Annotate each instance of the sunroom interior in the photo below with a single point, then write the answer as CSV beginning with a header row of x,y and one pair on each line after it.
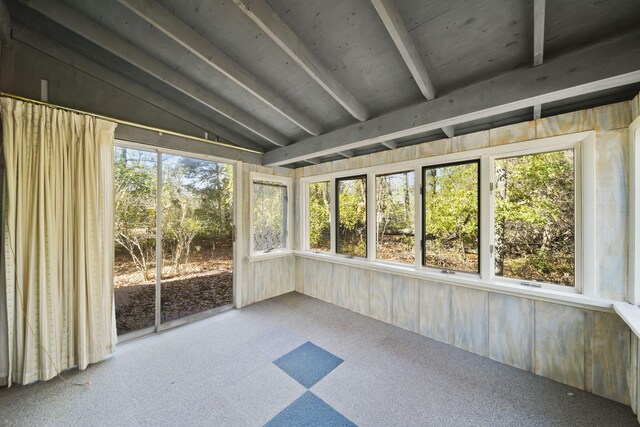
x,y
356,212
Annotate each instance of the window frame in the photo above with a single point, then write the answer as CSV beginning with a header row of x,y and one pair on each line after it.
x,y
578,208
416,197
423,225
583,144
288,184
305,229
633,291
336,190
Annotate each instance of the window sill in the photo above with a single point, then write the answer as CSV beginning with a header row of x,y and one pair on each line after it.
x,y
541,294
630,314
270,255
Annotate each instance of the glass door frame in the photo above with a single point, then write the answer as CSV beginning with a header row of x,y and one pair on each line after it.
x,y
237,170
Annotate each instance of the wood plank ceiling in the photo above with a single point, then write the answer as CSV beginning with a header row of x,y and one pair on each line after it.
x,y
313,81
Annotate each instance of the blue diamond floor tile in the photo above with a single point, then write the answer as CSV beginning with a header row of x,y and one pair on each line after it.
x,y
308,364
309,410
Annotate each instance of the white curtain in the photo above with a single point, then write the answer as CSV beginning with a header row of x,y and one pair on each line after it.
x,y
57,261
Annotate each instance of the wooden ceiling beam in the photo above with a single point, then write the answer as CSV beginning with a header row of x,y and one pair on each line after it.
x,y
601,66
94,32
155,14
269,21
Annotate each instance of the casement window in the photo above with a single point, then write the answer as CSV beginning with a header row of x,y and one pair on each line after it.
x,y
534,217
450,238
517,214
320,216
395,217
351,197
271,214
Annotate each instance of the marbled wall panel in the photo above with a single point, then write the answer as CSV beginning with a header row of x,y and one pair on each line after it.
x,y
310,277
611,355
611,213
262,278
513,133
472,141
380,295
299,274
247,288
404,153
612,116
469,319
381,158
283,274
435,310
563,124
560,343
359,290
635,107
406,303
324,284
341,288
434,148
632,373
511,330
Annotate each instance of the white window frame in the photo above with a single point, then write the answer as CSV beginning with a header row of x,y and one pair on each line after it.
x,y
288,183
583,144
633,287
304,229
416,207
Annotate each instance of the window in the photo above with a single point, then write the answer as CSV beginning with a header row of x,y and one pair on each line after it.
x,y
320,216
270,213
451,216
515,214
534,202
351,195
395,218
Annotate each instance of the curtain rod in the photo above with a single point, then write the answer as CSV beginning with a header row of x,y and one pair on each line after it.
x,y
124,122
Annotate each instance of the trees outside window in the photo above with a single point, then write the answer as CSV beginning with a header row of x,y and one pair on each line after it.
x,y
351,238
534,201
395,209
451,219
320,216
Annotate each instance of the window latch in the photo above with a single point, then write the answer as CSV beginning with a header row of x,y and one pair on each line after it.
x,y
533,285
266,251
349,257
445,271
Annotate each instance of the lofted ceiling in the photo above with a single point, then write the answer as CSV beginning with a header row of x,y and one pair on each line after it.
x,y
304,77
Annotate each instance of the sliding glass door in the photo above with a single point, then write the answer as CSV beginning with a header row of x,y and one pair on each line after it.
x,y
197,248
135,189
173,238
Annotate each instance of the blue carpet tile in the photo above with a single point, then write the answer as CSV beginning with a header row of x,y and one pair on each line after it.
x,y
309,410
308,364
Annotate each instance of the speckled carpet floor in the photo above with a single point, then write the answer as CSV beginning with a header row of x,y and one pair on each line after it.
x,y
221,372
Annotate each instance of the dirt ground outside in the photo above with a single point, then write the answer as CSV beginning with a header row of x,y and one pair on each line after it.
x,y
206,282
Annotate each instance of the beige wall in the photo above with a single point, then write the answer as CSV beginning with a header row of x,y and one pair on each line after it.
x,y
264,278
590,348
585,347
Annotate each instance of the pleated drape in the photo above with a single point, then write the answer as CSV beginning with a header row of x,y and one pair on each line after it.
x,y
58,241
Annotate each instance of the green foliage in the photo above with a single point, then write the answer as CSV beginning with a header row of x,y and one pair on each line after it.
x,y
197,204
395,208
135,206
352,217
534,216
451,216
319,216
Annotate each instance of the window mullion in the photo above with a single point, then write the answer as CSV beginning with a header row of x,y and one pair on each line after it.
x,y
159,182
487,238
333,223
372,224
418,231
